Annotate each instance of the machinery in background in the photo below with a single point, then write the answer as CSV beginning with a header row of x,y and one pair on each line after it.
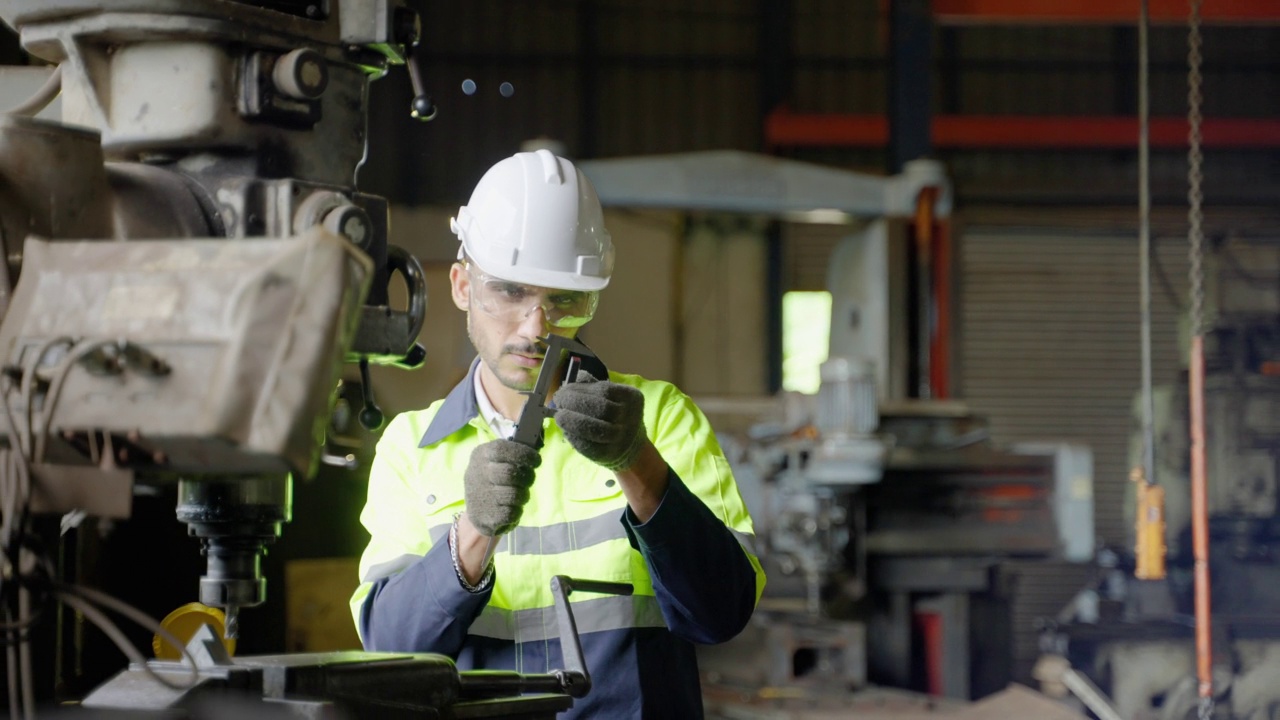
x,y
885,545
883,511
1135,637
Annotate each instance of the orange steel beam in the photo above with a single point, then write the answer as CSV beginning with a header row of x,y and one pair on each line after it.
x,y
783,128
1053,12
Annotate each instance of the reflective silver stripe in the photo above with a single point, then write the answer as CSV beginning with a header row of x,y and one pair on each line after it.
x,y
564,537
439,532
748,542
594,615
389,568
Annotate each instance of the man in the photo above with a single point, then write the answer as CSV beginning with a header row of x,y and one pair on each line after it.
x,y
628,486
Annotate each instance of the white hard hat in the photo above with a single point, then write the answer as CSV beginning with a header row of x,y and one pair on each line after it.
x,y
535,219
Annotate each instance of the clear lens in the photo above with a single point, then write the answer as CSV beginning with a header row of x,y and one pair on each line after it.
x,y
512,302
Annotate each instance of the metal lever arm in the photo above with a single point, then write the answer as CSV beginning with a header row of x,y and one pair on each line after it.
x,y
574,679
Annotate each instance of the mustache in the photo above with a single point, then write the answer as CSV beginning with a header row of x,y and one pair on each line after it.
x,y
526,349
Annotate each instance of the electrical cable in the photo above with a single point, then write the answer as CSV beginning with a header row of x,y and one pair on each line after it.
x,y
78,596
27,389
78,352
15,496
42,97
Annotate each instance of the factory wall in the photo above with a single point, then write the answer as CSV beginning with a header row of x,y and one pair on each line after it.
x,y
1050,347
1048,312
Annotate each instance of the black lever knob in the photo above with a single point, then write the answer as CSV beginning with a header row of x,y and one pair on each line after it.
x,y
423,107
371,416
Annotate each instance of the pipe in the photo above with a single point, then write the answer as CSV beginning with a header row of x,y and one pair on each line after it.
x,y
1089,694
1200,523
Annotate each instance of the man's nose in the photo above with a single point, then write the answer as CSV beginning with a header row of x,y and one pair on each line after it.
x,y
534,323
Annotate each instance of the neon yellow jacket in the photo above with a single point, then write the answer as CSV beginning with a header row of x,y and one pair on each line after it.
x,y
696,578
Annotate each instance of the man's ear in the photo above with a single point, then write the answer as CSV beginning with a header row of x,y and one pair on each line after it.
x,y
460,284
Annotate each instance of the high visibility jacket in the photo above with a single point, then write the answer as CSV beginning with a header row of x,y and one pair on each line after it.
x,y
696,578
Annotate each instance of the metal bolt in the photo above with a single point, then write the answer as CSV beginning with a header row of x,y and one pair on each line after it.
x,y
301,74
351,222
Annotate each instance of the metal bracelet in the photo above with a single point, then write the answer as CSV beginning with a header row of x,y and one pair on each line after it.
x,y
485,580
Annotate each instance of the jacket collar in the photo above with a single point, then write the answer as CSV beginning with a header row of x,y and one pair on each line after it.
x,y
460,405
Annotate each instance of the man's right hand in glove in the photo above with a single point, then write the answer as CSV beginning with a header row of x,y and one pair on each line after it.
x,y
496,487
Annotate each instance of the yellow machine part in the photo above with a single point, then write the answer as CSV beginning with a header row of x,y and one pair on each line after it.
x,y
1150,548
184,622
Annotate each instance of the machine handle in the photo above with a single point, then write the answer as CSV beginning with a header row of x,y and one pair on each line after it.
x,y
574,679
371,416
403,261
423,107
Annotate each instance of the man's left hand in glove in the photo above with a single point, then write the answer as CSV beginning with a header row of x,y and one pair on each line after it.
x,y
602,420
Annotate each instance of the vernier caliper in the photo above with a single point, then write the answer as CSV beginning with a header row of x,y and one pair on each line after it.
x,y
529,426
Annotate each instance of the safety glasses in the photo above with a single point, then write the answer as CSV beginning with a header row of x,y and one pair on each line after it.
x,y
512,302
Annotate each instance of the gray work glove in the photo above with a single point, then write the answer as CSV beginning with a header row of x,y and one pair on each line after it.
x,y
602,420
497,485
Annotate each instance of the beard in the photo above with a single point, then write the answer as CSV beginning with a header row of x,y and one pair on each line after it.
x,y
492,353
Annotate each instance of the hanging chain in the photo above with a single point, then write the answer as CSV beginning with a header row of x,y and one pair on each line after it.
x,y
1195,171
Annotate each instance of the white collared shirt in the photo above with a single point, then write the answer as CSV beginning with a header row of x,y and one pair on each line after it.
x,y
501,426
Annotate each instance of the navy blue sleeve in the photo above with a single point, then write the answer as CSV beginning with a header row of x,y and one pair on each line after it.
x,y
423,608
704,582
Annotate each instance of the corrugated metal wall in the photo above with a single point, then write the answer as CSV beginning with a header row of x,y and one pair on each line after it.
x,y
1050,350
839,49
1050,347
625,77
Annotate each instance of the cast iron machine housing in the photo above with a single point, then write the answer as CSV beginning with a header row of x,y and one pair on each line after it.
x,y
217,144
